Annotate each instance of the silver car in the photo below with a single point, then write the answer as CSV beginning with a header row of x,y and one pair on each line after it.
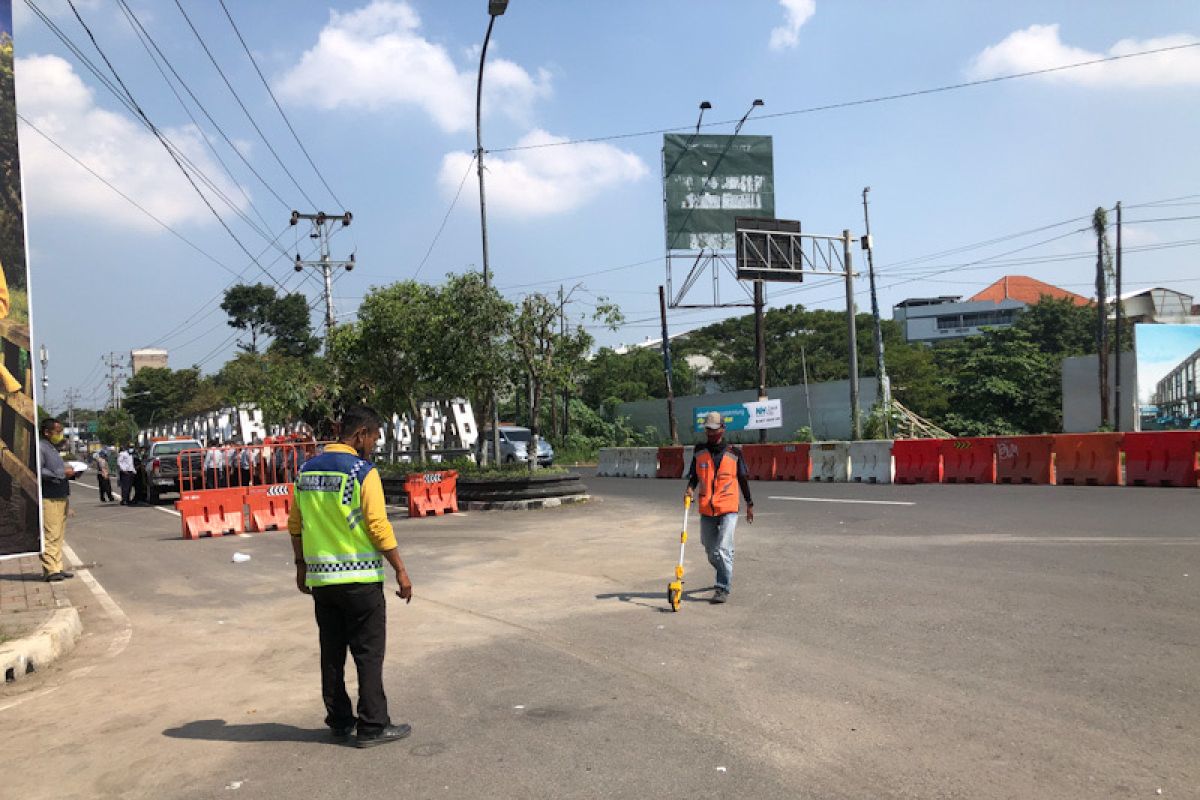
x,y
514,446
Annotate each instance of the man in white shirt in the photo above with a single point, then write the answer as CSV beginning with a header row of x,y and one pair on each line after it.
x,y
126,468
214,466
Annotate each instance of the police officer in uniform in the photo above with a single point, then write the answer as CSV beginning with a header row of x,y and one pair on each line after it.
x,y
718,470
341,537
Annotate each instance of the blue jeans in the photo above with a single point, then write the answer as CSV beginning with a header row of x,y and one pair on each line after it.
x,y
717,535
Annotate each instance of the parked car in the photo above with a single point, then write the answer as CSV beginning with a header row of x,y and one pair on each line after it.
x,y
161,462
514,446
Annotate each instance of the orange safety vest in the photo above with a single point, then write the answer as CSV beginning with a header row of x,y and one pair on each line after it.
x,y
719,484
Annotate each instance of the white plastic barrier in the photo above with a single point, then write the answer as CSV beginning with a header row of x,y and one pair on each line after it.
x,y
871,461
626,461
609,462
645,462
830,461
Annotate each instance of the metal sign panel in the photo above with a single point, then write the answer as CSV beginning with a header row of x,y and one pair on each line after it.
x,y
757,415
769,250
710,180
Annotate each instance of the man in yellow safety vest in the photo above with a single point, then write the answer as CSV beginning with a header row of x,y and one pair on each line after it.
x,y
340,538
718,470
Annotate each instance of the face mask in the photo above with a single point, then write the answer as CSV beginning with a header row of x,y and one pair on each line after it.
x,y
56,438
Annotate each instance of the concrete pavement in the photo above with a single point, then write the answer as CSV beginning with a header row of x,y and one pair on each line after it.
x,y
982,642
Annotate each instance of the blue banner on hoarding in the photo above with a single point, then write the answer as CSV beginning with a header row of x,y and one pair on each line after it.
x,y
753,416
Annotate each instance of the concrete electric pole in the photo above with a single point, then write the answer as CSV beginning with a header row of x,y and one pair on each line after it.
x,y
320,232
884,393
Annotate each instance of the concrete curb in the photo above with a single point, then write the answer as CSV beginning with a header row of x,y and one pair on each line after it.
x,y
35,652
525,505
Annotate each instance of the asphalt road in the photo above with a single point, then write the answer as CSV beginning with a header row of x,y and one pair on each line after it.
x,y
934,642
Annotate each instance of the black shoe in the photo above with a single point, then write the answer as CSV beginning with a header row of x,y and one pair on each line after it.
x,y
720,596
341,734
392,733
66,574
55,577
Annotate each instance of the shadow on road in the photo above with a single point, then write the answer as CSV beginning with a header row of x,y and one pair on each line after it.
x,y
689,596
218,730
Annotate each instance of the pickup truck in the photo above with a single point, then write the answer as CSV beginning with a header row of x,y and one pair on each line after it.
x,y
162,466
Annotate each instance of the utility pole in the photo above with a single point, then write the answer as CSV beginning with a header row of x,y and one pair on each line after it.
x,y
320,232
72,396
760,350
115,365
884,390
666,353
566,393
855,416
1117,333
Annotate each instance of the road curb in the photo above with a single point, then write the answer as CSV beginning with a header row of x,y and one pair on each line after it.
x,y
35,652
524,505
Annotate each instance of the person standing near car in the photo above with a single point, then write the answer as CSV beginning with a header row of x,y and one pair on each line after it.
x,y
56,493
340,539
126,472
104,477
719,470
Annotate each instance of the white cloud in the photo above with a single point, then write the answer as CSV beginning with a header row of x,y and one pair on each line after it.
x,y
1040,47
376,58
546,181
53,98
796,13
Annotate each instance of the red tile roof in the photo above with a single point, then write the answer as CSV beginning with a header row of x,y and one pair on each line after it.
x,y
1027,290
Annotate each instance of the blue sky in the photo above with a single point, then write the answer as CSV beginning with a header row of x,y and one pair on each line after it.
x,y
382,96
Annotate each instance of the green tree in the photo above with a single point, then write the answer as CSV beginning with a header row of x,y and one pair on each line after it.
x,y
12,232
634,375
160,394
289,323
116,426
249,308
286,389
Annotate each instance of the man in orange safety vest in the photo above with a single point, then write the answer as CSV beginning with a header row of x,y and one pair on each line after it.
x,y
718,469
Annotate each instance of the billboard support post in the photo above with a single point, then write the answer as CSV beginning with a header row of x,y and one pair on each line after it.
x,y
1117,332
760,348
855,416
666,351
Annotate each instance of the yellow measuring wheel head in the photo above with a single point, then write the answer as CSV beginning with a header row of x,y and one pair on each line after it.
x,y
675,594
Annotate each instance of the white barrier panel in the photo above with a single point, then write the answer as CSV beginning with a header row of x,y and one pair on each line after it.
x,y
626,459
830,461
645,462
871,461
608,463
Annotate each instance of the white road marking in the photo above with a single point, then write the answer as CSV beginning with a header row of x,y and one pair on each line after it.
x,y
167,511
837,500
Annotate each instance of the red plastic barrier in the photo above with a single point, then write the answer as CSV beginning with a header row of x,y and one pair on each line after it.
x,y
918,460
1088,459
969,460
269,506
432,493
792,462
1025,459
214,512
670,462
760,461
1161,458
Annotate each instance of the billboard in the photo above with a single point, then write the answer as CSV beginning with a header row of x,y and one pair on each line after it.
x,y
758,415
769,250
20,520
1168,360
710,180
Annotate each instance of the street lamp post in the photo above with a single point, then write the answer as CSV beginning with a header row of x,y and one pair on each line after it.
x,y
495,9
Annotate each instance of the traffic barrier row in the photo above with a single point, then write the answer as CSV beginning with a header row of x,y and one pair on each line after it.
x,y
432,493
1158,458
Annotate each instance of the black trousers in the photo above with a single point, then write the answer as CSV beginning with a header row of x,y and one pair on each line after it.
x,y
353,616
105,484
126,486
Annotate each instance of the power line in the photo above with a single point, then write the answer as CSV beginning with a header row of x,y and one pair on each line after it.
x,y
242,105
446,218
287,121
852,103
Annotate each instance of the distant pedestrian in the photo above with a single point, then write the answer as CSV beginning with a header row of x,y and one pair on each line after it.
x,y
126,472
104,477
718,469
245,462
214,466
56,491
340,538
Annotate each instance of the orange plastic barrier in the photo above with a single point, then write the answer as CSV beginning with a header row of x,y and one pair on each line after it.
x,y
760,461
969,460
269,506
918,460
1161,458
214,512
1088,459
432,493
792,462
670,462
1025,459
